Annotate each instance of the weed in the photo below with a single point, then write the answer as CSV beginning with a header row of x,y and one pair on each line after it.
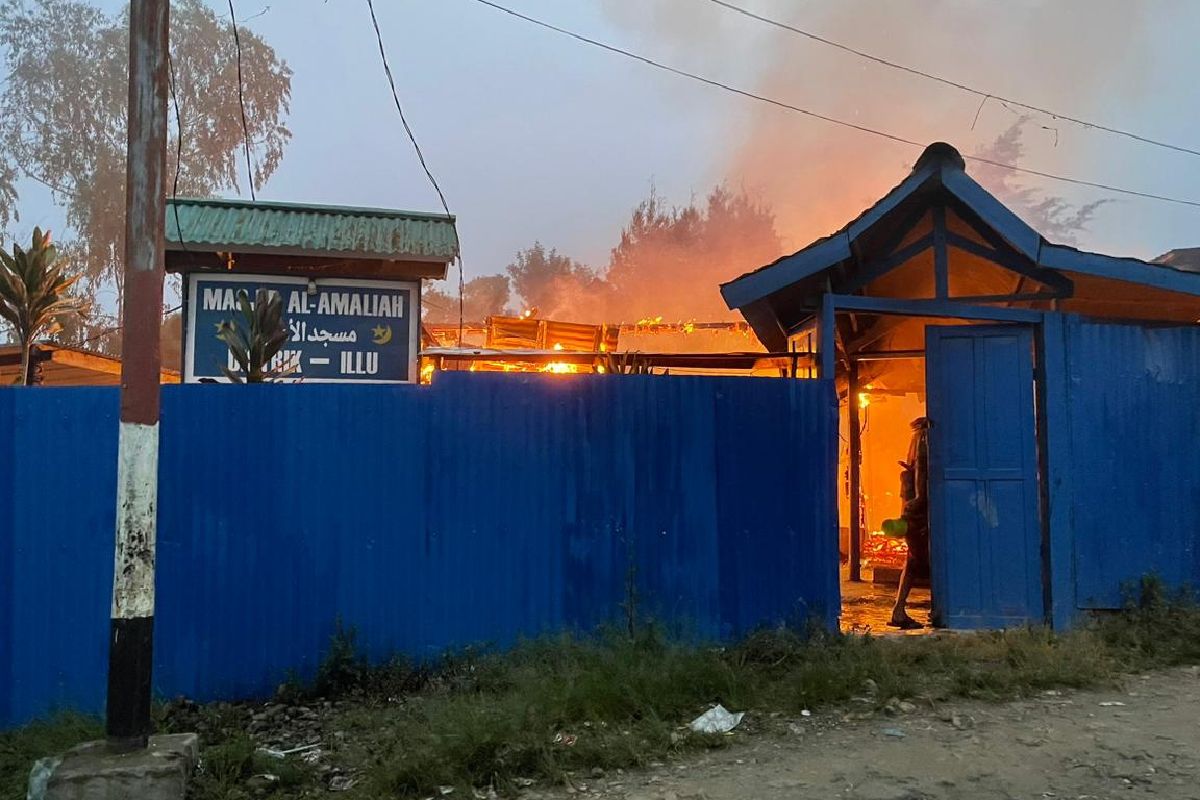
x,y
560,707
20,748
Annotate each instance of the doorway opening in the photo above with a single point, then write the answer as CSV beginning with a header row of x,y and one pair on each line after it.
x,y
965,391
884,399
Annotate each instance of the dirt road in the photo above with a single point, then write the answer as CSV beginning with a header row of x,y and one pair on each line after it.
x,y
1142,740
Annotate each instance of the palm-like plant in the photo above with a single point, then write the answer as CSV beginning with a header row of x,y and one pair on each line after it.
x,y
255,348
33,294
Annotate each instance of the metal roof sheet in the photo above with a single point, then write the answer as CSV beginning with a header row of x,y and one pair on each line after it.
x,y
349,232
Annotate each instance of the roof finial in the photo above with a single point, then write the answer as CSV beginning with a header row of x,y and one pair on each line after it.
x,y
942,154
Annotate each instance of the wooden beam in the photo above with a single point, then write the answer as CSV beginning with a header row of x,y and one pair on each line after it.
x,y
1014,262
941,258
873,270
887,355
929,308
855,554
827,333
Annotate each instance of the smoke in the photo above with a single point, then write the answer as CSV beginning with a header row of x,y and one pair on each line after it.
x,y
1076,55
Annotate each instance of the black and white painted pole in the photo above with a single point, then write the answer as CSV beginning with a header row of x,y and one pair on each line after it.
x,y
131,643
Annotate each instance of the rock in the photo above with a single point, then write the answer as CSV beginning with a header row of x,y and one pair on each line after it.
x,y
962,723
341,783
907,707
870,687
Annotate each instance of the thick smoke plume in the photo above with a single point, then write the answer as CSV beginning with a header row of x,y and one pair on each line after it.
x,y
1077,55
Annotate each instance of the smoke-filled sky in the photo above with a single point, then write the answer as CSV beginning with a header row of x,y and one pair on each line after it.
x,y
537,137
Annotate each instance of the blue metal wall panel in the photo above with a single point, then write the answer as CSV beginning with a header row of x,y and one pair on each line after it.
x,y
1134,416
477,511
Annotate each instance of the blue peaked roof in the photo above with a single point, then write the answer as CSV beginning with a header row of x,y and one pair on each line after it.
x,y
942,166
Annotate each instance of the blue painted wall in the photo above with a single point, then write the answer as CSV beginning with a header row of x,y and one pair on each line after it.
x,y
1133,409
479,510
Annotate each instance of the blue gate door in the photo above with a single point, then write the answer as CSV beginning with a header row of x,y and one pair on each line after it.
x,y
985,526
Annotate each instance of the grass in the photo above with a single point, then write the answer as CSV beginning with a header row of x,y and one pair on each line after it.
x,y
561,707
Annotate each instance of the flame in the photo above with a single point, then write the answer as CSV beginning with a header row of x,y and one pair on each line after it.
x,y
560,368
427,372
646,322
882,550
864,399
689,326
558,346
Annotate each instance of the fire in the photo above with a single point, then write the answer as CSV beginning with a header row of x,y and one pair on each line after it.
x,y
864,399
561,368
647,322
881,550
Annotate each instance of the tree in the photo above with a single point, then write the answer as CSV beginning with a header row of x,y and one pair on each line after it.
x,y
1051,216
256,348
670,261
33,294
483,297
63,117
558,286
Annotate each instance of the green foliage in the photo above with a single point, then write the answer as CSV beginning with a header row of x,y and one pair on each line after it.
x,y
567,704
34,287
483,297
63,118
20,748
255,344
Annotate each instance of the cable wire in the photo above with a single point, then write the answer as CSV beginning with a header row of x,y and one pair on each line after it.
x,y
178,151
832,120
953,83
387,69
237,44
115,328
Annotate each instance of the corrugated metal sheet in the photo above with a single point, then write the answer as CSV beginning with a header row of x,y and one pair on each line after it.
x,y
234,225
478,510
1134,411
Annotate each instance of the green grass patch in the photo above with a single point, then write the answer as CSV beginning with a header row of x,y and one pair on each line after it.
x,y
20,748
572,707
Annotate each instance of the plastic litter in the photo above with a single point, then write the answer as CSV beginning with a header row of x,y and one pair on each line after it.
x,y
1111,703
716,720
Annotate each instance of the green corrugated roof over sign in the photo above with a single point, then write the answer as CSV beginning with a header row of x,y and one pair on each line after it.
x,y
294,228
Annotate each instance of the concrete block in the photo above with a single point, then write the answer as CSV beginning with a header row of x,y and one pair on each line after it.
x,y
91,772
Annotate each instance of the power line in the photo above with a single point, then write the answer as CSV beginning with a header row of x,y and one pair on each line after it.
x,y
387,69
832,120
178,151
237,44
115,328
953,83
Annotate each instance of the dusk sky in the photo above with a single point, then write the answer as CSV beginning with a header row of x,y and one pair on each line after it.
x,y
537,137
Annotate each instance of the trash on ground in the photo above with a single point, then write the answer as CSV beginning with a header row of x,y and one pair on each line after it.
x,y
273,753
1111,703
895,733
716,720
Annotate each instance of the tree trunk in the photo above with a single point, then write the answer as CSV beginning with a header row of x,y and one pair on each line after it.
x,y
26,362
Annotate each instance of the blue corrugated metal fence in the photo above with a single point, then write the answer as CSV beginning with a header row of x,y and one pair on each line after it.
x,y
479,510
1134,420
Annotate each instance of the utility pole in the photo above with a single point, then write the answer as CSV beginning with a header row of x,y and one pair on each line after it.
x,y
131,643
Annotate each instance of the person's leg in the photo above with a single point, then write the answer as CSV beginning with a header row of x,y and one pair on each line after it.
x,y
900,617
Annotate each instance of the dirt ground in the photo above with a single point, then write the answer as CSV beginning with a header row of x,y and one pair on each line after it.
x,y
1142,740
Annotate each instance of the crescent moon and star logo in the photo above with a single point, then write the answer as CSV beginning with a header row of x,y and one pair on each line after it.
x,y
381,334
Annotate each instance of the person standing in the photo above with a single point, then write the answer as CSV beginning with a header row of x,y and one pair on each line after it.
x,y
914,492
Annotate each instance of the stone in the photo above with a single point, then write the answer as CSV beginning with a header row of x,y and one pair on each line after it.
x,y
91,772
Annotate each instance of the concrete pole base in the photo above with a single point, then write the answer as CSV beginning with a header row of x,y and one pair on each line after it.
x,y
91,772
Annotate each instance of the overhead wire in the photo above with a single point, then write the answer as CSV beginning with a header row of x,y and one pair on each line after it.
x,y
815,115
984,95
387,69
237,44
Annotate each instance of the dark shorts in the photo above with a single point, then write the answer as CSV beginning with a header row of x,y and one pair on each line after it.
x,y
917,538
